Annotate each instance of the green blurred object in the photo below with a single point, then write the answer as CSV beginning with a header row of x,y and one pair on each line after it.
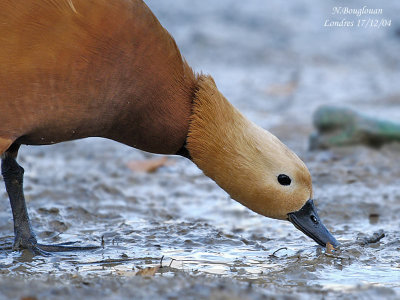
x,y
338,126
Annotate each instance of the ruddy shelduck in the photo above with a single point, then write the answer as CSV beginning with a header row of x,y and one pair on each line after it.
x,y
72,69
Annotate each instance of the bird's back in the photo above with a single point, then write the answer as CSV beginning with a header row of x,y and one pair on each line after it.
x,y
76,68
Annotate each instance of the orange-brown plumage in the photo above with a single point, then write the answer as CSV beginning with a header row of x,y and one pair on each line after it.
x,y
77,68
243,158
72,69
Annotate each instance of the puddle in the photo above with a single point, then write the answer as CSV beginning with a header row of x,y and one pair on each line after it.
x,y
200,233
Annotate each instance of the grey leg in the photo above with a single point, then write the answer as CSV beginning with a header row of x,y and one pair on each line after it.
x,y
24,236
13,178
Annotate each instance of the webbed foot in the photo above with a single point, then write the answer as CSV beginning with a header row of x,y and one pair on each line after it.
x,y
29,242
24,235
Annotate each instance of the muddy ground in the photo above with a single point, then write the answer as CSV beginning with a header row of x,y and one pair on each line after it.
x,y
277,63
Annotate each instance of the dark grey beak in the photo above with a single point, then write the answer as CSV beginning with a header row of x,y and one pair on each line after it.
x,y
307,221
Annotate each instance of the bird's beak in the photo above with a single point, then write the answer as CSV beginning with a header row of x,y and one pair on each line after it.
x,y
307,221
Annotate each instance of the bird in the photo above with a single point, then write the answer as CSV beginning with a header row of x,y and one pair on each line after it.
x,y
72,69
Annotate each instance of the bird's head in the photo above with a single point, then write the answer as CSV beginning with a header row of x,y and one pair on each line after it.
x,y
253,166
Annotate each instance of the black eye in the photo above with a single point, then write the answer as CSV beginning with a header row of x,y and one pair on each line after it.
x,y
284,179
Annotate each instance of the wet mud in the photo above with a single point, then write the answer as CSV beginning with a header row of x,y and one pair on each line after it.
x,y
277,64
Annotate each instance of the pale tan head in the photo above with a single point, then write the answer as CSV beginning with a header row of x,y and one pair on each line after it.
x,y
244,159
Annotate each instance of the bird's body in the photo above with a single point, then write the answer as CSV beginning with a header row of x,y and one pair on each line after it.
x,y
72,69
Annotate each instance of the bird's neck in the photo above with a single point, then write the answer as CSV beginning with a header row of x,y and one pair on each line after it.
x,y
222,142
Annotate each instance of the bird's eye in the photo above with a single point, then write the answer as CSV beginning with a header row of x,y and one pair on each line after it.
x,y
284,179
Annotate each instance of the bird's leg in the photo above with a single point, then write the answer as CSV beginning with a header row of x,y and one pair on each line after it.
x,y
13,178
25,238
